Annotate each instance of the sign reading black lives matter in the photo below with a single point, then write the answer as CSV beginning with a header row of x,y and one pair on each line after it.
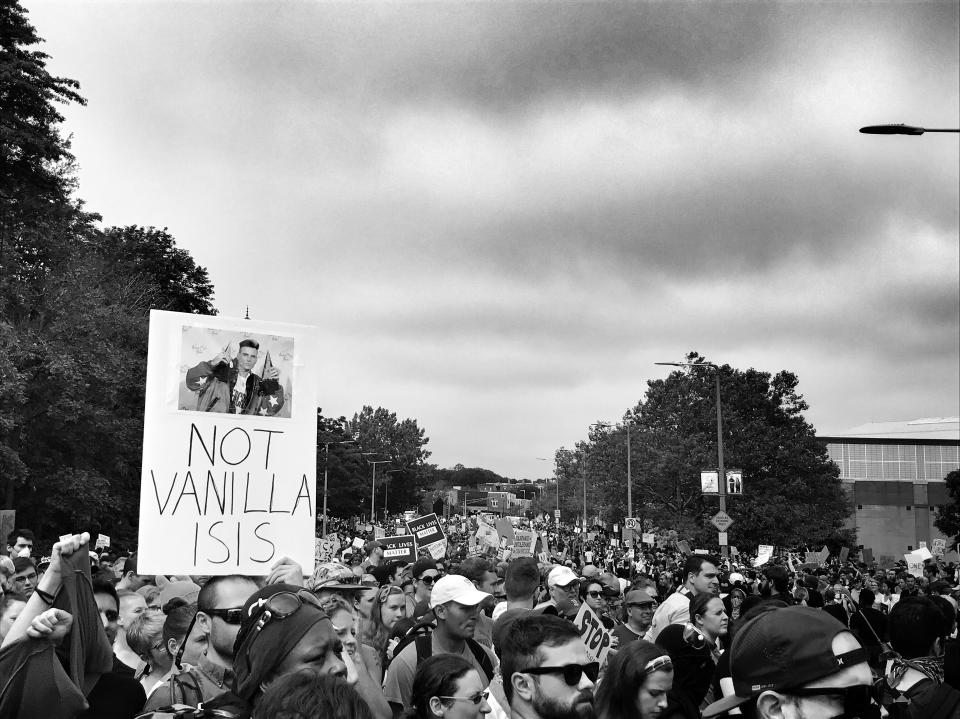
x,y
429,535
402,549
228,484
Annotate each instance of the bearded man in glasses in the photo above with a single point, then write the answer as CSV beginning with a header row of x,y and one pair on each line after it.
x,y
547,672
797,663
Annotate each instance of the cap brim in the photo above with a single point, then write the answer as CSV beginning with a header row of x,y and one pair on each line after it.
x,y
722,705
469,598
341,587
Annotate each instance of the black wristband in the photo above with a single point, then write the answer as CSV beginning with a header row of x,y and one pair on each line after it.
x,y
45,596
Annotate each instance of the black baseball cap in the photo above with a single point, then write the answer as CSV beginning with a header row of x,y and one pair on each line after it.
x,y
782,649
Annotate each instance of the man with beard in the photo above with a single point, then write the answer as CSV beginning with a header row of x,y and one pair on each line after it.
x,y
564,588
547,672
456,604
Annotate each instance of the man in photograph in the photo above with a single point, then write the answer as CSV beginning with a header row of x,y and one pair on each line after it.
x,y
228,384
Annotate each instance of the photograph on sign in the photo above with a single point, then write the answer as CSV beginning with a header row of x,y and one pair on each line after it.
x,y
710,482
235,371
223,492
734,481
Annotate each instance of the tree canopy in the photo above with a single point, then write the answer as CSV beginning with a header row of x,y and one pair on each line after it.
x,y
792,491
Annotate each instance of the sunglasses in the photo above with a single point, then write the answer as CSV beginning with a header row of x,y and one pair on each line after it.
x,y
233,615
595,595
111,614
859,702
429,578
571,672
640,606
475,699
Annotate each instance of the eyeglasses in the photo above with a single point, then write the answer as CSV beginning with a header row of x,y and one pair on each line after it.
x,y
429,578
571,672
859,702
476,698
32,577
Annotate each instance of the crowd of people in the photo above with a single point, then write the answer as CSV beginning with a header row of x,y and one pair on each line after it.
x,y
476,633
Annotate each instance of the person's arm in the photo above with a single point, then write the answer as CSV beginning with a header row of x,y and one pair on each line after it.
x,y
48,586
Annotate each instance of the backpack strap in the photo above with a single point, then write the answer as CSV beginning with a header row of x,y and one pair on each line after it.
x,y
483,659
424,646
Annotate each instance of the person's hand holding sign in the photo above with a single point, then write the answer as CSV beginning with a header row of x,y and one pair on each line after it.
x,y
271,373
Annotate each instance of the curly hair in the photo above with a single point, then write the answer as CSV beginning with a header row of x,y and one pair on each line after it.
x,y
306,694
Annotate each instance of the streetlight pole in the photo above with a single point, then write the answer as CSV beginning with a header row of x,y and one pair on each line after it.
x,y
722,478
373,487
627,419
326,466
386,485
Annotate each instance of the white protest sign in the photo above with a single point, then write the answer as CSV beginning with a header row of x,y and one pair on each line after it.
x,y
764,554
523,543
488,536
649,538
357,543
939,547
595,636
228,483
923,553
914,563
102,541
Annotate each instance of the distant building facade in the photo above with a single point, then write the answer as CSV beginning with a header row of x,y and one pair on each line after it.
x,y
894,472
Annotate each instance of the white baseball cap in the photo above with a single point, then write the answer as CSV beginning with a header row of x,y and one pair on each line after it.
x,y
561,577
455,588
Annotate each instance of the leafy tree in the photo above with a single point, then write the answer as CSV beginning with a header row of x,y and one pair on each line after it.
x,y
948,520
381,436
792,493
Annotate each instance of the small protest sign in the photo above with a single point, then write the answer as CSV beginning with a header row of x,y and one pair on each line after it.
x,y
488,536
505,529
923,553
700,552
595,636
683,546
824,555
326,549
867,555
939,547
357,543
811,558
523,543
914,563
844,553
228,479
648,537
399,549
923,544
103,541
764,555
429,534
379,533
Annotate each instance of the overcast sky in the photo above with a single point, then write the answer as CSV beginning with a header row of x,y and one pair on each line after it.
x,y
500,215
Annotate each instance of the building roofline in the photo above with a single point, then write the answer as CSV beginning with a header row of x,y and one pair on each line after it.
x,y
848,439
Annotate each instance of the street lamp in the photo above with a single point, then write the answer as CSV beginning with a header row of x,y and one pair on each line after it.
x,y
897,130
373,485
326,463
385,487
722,472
